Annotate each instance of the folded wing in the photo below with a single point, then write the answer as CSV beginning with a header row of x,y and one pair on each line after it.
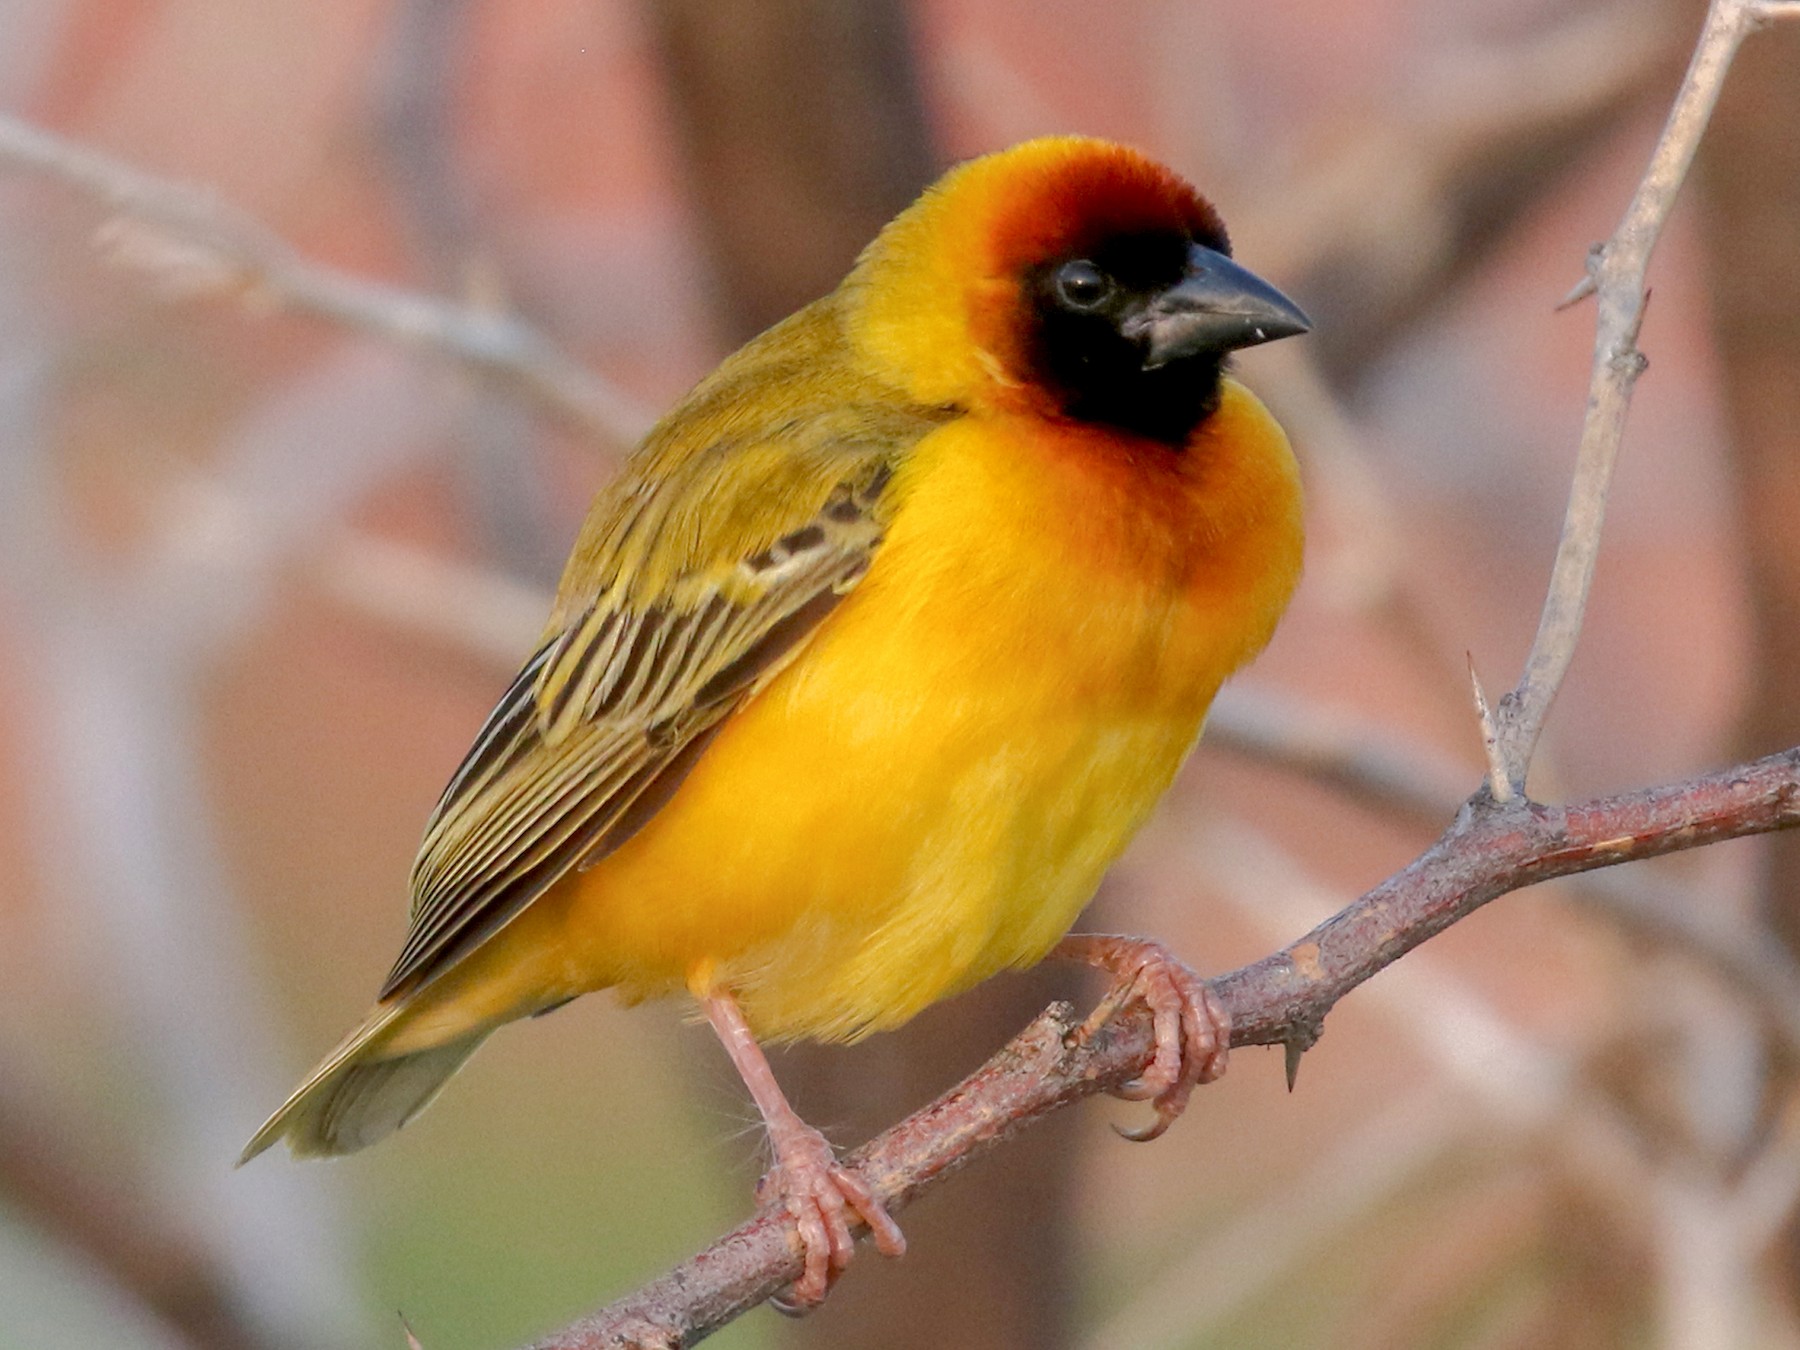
x,y
685,596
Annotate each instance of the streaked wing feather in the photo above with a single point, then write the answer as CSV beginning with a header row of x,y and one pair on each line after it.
x,y
606,719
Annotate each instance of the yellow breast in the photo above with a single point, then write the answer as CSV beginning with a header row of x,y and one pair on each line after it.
x,y
934,788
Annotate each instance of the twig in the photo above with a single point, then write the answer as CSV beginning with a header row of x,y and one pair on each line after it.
x,y
415,92
1414,783
1499,784
195,243
1492,848
1617,270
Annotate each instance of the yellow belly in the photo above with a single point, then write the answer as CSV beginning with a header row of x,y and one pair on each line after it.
x,y
932,791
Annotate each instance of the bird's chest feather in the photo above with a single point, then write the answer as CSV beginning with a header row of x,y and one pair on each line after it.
x,y
1052,566
933,788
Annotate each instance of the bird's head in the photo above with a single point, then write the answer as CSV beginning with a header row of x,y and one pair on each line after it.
x,y
1069,276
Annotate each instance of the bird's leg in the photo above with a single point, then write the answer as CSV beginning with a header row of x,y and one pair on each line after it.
x,y
1193,1031
819,1192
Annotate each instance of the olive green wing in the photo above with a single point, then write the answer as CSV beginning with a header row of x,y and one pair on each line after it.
x,y
702,572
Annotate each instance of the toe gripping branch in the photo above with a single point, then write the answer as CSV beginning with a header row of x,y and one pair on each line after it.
x,y
1192,1030
820,1194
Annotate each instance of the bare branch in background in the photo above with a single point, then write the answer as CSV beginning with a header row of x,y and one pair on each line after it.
x,y
1368,764
193,243
467,608
1748,176
1244,1258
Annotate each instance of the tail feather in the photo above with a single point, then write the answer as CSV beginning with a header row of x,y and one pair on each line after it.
x,y
357,1095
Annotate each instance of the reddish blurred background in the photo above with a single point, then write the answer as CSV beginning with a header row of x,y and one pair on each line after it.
x,y
261,576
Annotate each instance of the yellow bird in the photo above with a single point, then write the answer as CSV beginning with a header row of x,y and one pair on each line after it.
x,y
883,645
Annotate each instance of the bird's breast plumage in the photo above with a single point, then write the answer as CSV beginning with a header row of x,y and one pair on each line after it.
x,y
932,793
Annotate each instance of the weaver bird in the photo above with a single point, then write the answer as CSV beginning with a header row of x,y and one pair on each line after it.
x,y
882,646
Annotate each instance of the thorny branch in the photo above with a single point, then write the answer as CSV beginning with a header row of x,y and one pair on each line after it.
x,y
192,242
1409,781
1492,847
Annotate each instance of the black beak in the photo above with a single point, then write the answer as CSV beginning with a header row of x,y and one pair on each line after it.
x,y
1216,307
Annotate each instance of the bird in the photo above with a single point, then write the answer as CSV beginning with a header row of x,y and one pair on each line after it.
x,y
879,649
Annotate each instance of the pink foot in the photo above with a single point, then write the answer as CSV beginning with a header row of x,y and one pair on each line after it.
x,y
819,1193
822,1196
1193,1031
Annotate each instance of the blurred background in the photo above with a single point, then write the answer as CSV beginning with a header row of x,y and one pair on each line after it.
x,y
272,538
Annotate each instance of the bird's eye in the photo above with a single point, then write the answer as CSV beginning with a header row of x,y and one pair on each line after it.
x,y
1081,285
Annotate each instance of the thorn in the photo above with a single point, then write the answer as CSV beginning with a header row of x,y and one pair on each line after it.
x,y
1302,1035
1588,284
412,1341
1580,291
1498,780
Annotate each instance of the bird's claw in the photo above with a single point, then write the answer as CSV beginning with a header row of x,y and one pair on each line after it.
x,y
1192,1029
823,1197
